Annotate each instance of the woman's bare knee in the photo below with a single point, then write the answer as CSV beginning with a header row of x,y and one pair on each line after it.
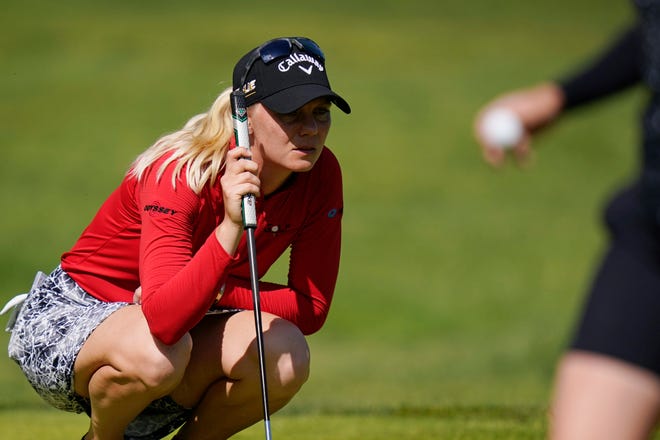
x,y
288,358
227,351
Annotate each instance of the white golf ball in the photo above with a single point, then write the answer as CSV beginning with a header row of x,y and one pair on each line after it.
x,y
502,128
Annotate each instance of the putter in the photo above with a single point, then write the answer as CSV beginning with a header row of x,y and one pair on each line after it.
x,y
239,117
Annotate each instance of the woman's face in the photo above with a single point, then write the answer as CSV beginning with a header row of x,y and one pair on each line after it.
x,y
292,142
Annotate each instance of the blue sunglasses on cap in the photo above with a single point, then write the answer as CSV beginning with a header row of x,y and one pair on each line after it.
x,y
281,47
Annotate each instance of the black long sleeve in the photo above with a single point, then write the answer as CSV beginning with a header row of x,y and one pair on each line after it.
x,y
617,68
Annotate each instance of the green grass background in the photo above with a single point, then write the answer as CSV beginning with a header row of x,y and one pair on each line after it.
x,y
459,285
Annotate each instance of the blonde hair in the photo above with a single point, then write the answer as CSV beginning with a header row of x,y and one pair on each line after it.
x,y
199,147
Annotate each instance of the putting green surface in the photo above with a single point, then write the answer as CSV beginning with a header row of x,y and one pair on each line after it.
x,y
459,285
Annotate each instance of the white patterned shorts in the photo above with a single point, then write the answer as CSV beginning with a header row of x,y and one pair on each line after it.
x,y
53,324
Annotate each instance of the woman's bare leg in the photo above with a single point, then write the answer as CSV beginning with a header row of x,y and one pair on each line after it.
x,y
122,368
600,398
222,380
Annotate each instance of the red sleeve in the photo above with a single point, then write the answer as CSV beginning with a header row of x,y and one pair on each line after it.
x,y
314,261
177,287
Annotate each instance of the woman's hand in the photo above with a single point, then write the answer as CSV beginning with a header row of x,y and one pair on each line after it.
x,y
240,178
535,108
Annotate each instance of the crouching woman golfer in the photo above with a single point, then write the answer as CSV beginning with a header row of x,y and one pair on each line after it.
x,y
144,324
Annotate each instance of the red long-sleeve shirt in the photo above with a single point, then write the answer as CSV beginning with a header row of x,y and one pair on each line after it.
x,y
161,238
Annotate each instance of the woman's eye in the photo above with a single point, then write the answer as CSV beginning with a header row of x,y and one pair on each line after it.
x,y
288,118
322,114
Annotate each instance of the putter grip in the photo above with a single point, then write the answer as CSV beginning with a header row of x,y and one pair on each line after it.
x,y
239,119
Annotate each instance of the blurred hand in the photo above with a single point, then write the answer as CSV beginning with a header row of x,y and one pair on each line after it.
x,y
535,107
137,295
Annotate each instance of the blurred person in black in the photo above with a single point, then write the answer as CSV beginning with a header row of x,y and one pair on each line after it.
x,y
608,382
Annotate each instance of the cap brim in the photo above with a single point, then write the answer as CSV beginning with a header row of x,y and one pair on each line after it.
x,y
291,99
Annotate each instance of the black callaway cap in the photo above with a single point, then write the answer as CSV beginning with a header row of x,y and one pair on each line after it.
x,y
286,83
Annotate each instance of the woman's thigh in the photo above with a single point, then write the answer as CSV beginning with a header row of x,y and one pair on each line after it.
x,y
597,397
125,342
